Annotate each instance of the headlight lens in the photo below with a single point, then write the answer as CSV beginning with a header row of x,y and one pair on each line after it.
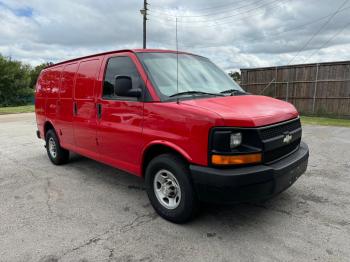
x,y
235,140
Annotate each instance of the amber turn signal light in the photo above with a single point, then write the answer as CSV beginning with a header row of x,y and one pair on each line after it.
x,y
236,160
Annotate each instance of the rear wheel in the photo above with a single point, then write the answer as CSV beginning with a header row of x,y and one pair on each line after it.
x,y
169,188
56,153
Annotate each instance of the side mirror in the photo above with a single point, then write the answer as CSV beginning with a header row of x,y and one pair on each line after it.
x,y
123,87
136,92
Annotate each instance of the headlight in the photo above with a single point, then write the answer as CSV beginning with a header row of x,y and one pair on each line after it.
x,y
226,140
235,140
227,146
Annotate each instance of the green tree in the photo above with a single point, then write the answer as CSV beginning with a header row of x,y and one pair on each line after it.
x,y
14,82
235,76
17,81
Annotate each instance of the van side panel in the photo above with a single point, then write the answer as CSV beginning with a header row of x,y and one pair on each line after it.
x,y
64,123
40,101
53,85
85,118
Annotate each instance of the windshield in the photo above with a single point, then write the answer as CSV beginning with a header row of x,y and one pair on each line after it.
x,y
196,75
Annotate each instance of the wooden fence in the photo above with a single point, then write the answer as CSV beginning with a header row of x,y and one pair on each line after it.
x,y
318,89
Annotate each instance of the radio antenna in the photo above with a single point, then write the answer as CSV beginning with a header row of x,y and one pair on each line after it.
x,y
177,61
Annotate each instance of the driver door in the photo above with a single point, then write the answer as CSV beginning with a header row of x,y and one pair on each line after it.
x,y
120,118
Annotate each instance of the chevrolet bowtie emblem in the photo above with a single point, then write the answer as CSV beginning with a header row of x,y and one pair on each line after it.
x,y
287,138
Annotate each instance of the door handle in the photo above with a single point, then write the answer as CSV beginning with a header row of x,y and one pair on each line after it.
x,y
75,109
99,111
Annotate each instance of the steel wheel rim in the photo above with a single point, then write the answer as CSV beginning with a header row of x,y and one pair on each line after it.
x,y
167,189
52,147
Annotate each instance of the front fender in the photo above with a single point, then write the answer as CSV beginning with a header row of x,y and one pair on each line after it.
x,y
165,143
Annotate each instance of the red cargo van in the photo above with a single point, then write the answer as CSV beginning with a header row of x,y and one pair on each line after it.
x,y
174,119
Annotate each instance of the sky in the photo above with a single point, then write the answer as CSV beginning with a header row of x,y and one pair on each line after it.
x,y
233,33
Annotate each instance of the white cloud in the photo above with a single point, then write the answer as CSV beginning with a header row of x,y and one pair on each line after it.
x,y
233,34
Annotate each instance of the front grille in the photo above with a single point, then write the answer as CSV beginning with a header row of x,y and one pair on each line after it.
x,y
272,138
279,152
277,130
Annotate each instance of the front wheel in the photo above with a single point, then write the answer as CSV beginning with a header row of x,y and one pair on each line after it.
x,y
169,188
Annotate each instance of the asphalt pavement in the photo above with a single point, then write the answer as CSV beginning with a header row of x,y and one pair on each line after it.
x,y
87,211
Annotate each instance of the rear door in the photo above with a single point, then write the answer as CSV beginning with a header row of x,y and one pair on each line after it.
x,y
65,106
84,108
40,101
54,81
120,118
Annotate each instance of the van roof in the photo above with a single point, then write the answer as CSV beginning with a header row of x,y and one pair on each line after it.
x,y
120,51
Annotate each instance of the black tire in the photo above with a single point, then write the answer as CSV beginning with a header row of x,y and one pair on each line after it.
x,y
62,155
188,204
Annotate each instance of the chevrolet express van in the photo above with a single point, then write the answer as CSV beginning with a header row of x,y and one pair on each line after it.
x,y
175,119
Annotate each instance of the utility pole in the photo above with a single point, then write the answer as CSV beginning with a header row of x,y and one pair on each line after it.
x,y
144,13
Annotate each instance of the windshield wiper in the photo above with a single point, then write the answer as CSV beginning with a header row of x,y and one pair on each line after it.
x,y
195,93
233,92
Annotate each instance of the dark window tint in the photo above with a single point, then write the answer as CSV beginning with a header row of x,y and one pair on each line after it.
x,y
119,66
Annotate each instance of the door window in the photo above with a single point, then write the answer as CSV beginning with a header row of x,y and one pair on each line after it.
x,y
119,66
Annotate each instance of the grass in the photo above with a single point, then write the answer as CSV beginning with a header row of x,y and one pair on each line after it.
x,y
325,121
16,109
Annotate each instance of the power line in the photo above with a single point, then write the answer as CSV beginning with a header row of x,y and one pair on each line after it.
x,y
205,8
208,14
222,18
247,15
327,42
330,16
224,23
276,34
318,31
308,23
172,18
214,24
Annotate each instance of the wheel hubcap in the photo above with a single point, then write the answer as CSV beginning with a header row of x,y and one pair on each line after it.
x,y
52,147
167,189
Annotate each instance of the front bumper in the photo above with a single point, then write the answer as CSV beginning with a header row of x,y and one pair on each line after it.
x,y
251,183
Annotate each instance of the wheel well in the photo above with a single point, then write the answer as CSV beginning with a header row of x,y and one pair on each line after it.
x,y
47,127
156,150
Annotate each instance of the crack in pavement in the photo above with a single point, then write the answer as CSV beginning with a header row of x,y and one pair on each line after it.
x,y
138,221
89,242
93,240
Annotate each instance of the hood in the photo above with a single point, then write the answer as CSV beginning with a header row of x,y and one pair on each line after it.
x,y
247,110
